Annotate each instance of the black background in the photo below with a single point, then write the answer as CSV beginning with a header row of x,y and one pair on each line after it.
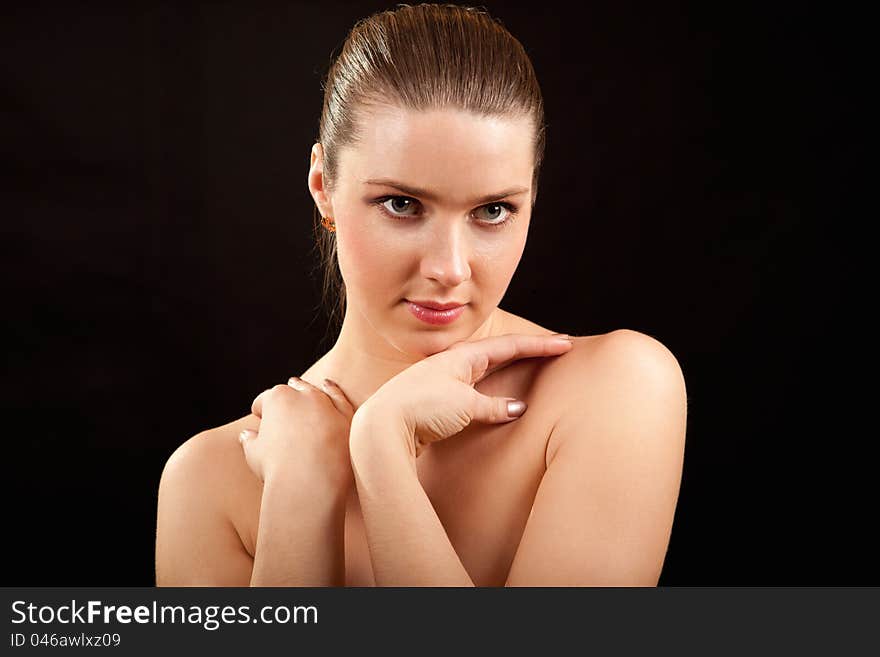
x,y
698,187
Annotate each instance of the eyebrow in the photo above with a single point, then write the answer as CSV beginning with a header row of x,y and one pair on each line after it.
x,y
431,196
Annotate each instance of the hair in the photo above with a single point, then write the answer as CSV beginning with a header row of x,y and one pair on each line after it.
x,y
421,57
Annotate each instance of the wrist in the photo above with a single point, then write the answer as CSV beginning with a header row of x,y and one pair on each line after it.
x,y
378,437
294,483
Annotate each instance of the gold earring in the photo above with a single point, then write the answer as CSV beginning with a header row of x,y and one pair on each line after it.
x,y
328,223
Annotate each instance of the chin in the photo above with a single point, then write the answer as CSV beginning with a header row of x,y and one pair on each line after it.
x,y
429,343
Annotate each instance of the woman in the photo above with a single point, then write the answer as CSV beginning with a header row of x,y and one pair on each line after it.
x,y
405,468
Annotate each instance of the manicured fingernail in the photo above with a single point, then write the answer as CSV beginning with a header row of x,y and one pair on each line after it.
x,y
561,336
515,408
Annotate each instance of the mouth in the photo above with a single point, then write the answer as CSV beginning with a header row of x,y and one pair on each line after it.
x,y
431,315
436,305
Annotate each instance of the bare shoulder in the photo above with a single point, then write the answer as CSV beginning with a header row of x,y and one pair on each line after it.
x,y
615,378
215,453
620,356
214,458
210,438
198,539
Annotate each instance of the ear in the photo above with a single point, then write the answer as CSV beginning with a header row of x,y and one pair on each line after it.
x,y
316,181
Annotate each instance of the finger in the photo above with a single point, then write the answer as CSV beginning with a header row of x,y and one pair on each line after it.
x,y
246,439
483,357
259,400
278,392
497,410
340,399
331,389
300,384
257,404
246,435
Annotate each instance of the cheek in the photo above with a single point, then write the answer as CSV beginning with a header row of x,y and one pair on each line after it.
x,y
365,253
498,260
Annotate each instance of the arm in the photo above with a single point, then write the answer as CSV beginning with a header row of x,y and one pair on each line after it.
x,y
301,536
603,512
408,543
300,455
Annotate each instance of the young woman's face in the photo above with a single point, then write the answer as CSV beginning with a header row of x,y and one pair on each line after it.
x,y
431,206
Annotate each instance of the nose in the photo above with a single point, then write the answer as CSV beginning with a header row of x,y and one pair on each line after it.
x,y
446,255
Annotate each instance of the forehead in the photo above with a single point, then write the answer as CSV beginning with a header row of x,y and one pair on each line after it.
x,y
455,153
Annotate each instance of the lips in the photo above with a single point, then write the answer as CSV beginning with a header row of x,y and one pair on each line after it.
x,y
436,305
434,316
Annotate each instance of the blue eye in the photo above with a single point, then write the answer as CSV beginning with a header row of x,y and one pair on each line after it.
x,y
399,205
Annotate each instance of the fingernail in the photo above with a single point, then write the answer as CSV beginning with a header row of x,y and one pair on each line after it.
x,y
242,436
515,408
561,336
330,382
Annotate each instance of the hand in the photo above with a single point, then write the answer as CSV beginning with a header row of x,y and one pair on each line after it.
x,y
435,398
303,432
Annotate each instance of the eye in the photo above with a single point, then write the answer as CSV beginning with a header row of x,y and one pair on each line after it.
x,y
398,205
499,214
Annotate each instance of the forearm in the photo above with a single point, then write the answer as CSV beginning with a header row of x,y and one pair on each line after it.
x,y
301,536
408,543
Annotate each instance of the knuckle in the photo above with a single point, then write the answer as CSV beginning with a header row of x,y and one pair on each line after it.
x,y
278,394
